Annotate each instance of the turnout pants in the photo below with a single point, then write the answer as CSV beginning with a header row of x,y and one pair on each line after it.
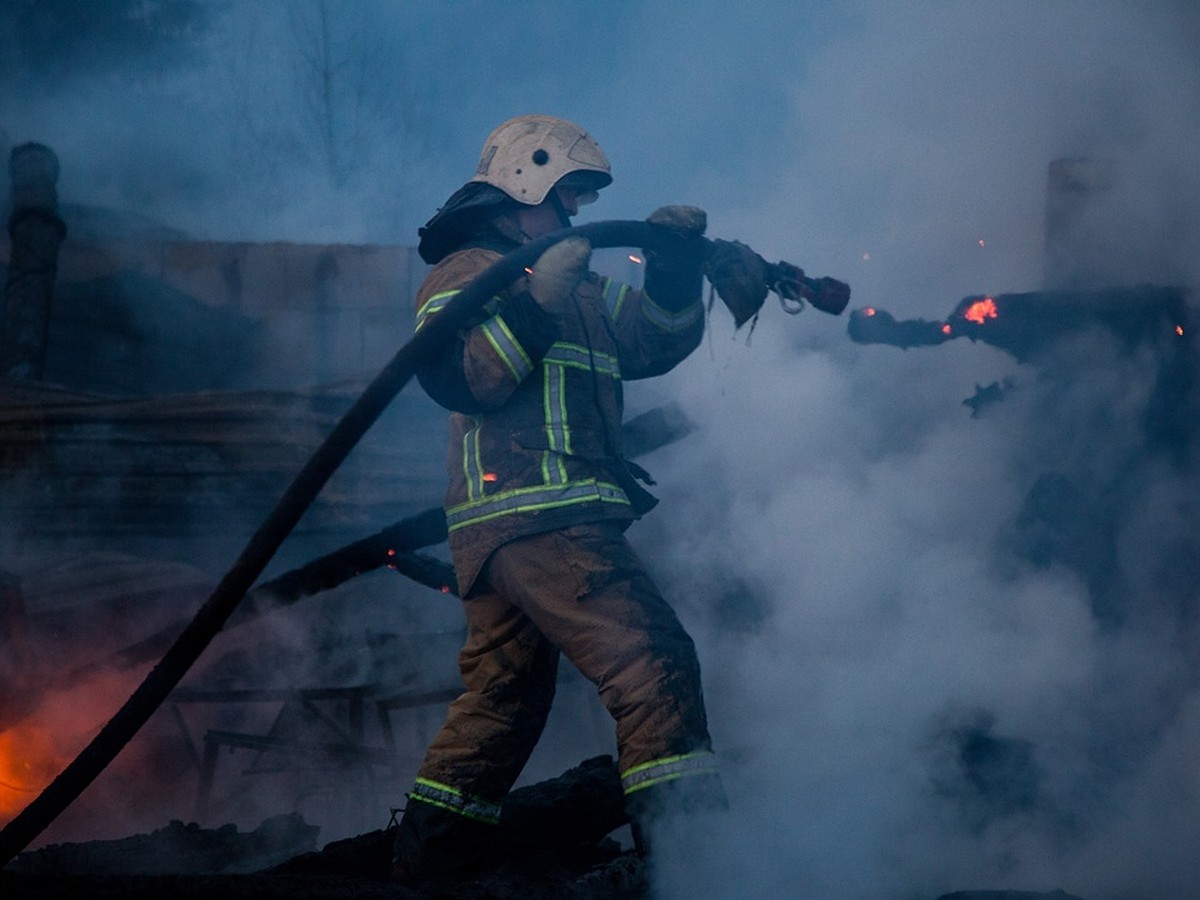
x,y
581,591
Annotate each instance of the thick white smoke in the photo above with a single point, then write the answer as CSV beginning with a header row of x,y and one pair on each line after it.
x,y
924,706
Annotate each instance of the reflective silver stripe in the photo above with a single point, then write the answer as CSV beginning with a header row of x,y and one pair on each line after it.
x,y
668,768
507,347
454,800
671,321
579,357
615,293
529,499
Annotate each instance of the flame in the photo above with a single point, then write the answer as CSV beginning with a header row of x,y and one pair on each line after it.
x,y
635,259
946,328
39,746
490,476
1179,330
869,311
29,760
980,310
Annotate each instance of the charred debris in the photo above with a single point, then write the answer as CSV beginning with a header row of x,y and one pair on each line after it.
x,y
1079,320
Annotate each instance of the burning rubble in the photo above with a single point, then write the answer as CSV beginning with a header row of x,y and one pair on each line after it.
x,y
1027,325
1032,327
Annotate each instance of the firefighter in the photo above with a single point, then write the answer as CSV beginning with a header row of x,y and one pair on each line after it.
x,y
540,495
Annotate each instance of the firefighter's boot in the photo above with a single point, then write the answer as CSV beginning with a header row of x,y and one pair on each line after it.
x,y
670,818
434,846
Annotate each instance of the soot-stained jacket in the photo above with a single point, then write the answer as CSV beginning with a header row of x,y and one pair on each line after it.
x,y
536,400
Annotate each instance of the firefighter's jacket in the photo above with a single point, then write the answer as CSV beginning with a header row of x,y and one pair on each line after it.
x,y
536,401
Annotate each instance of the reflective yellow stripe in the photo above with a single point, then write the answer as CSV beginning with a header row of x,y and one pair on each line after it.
x,y
507,347
473,463
438,302
528,499
449,798
433,306
554,412
668,320
615,293
576,357
669,768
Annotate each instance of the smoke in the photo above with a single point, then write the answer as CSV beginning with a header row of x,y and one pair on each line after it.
x,y
926,707
977,664
942,652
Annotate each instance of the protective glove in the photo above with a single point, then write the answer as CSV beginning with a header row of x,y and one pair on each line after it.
x,y
686,221
740,277
675,275
558,272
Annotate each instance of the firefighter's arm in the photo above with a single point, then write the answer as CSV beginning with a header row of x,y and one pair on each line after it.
x,y
485,363
482,368
659,325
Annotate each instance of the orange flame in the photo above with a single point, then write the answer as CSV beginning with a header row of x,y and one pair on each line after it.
x,y
946,328
981,310
869,311
1179,330
40,745
490,476
29,760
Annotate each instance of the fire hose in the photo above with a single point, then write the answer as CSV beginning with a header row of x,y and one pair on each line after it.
x,y
788,281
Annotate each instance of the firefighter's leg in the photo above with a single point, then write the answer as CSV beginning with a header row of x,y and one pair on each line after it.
x,y
509,671
588,592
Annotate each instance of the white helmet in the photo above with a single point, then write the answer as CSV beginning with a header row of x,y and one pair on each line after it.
x,y
528,155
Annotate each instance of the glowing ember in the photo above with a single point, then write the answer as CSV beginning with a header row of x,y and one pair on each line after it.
x,y
981,310
946,328
869,311
445,588
1179,330
635,259
490,476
